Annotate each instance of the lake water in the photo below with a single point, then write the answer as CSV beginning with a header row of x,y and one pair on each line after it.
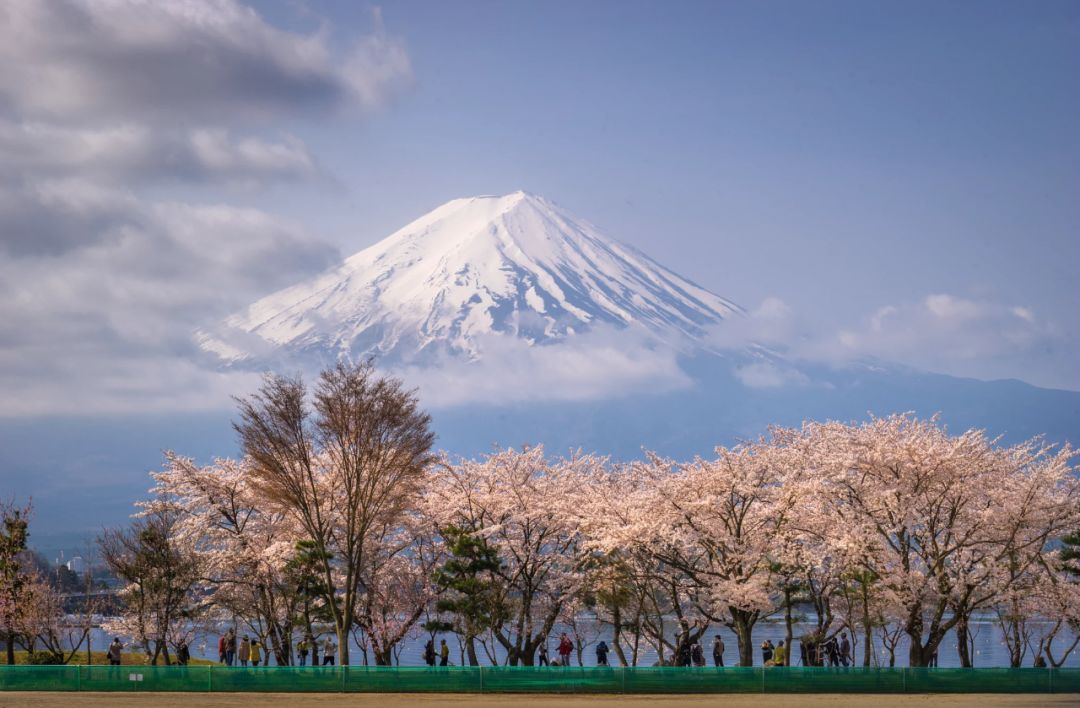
x,y
989,649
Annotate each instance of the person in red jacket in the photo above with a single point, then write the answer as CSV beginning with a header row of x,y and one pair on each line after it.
x,y
565,647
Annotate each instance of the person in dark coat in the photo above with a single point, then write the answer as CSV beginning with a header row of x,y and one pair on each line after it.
x,y
682,651
601,653
845,650
766,651
183,654
543,655
832,652
429,652
718,651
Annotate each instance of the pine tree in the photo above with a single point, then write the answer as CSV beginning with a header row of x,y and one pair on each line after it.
x,y
13,538
1070,553
474,594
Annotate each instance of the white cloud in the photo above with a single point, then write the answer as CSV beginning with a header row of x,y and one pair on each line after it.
x,y
772,323
769,375
210,59
942,333
948,307
103,100
601,364
107,326
130,151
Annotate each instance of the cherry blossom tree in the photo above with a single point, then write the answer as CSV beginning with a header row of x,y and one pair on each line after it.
x,y
517,501
397,585
244,544
715,522
933,516
42,620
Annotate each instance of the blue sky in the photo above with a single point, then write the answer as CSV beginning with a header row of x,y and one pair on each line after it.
x,y
892,180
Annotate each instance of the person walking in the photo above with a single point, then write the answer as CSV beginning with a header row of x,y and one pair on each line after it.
x,y
766,651
779,657
222,643
302,650
543,655
115,651
565,647
444,654
254,654
429,652
314,650
245,650
183,654
832,651
230,648
328,652
601,653
845,650
718,651
697,655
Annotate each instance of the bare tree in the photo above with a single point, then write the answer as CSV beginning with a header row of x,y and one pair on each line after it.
x,y
345,473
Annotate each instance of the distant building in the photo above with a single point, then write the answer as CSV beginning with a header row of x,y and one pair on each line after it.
x,y
77,565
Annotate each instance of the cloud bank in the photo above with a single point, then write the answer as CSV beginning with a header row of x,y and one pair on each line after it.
x,y
941,333
120,121
69,60
603,363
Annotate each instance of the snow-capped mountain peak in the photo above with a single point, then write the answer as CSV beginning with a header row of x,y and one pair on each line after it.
x,y
514,265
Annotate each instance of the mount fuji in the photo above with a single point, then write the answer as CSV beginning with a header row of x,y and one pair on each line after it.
x,y
514,265
506,310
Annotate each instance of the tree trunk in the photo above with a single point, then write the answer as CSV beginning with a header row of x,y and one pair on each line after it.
x,y
742,624
962,646
470,649
10,648
913,628
868,627
384,656
343,645
787,626
616,624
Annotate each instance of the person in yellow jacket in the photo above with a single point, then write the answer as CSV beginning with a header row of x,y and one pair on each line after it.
x,y
779,656
253,653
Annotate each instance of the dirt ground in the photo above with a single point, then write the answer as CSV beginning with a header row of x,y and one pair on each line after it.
x,y
401,700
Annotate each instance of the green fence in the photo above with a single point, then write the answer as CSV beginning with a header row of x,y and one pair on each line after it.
x,y
524,679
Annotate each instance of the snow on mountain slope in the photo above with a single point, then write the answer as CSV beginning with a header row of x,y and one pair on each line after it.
x,y
515,265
